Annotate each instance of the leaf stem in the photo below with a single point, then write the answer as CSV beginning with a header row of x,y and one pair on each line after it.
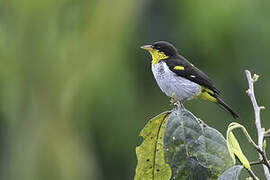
x,y
251,173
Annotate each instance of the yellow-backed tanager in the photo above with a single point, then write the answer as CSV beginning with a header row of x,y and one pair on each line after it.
x,y
177,77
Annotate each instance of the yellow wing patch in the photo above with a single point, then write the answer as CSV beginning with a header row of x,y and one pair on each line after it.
x,y
179,67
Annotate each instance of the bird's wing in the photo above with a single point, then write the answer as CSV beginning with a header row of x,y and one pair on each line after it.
x,y
181,67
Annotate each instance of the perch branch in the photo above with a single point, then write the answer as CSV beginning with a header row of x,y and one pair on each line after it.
x,y
257,110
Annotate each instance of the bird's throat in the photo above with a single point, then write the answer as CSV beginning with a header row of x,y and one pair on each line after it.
x,y
157,56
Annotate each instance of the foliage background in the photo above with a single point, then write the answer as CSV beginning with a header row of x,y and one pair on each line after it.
x,y
75,89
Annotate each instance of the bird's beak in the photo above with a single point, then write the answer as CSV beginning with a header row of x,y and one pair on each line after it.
x,y
147,47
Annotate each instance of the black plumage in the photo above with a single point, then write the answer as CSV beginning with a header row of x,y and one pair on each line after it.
x,y
190,72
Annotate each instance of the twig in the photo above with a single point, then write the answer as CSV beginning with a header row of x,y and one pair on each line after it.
x,y
266,135
257,162
267,132
261,153
257,110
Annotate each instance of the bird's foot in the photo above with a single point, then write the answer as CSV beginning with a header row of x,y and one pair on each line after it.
x,y
173,99
179,105
175,102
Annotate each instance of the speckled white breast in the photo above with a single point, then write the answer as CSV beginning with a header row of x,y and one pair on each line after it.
x,y
170,83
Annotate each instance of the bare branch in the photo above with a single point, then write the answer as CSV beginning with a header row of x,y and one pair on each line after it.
x,y
266,135
267,132
257,162
257,110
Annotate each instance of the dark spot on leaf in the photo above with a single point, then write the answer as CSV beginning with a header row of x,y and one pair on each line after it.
x,y
148,160
157,170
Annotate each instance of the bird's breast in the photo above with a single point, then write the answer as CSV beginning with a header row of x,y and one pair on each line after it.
x,y
170,83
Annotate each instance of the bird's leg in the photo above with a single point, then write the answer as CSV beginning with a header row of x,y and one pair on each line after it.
x,y
175,102
179,105
173,99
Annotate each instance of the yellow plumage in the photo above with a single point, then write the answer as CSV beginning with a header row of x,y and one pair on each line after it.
x,y
178,68
157,56
206,96
176,75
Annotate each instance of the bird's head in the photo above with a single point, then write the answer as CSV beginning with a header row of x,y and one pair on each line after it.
x,y
160,50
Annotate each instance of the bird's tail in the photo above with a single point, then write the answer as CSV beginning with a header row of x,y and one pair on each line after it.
x,y
227,108
213,97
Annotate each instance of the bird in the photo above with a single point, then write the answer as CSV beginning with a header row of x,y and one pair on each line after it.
x,y
180,79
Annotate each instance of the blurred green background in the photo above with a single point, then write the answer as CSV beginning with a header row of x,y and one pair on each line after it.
x,y
75,89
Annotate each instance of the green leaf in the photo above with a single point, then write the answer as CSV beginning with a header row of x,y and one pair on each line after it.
x,y
232,173
151,163
234,147
193,150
